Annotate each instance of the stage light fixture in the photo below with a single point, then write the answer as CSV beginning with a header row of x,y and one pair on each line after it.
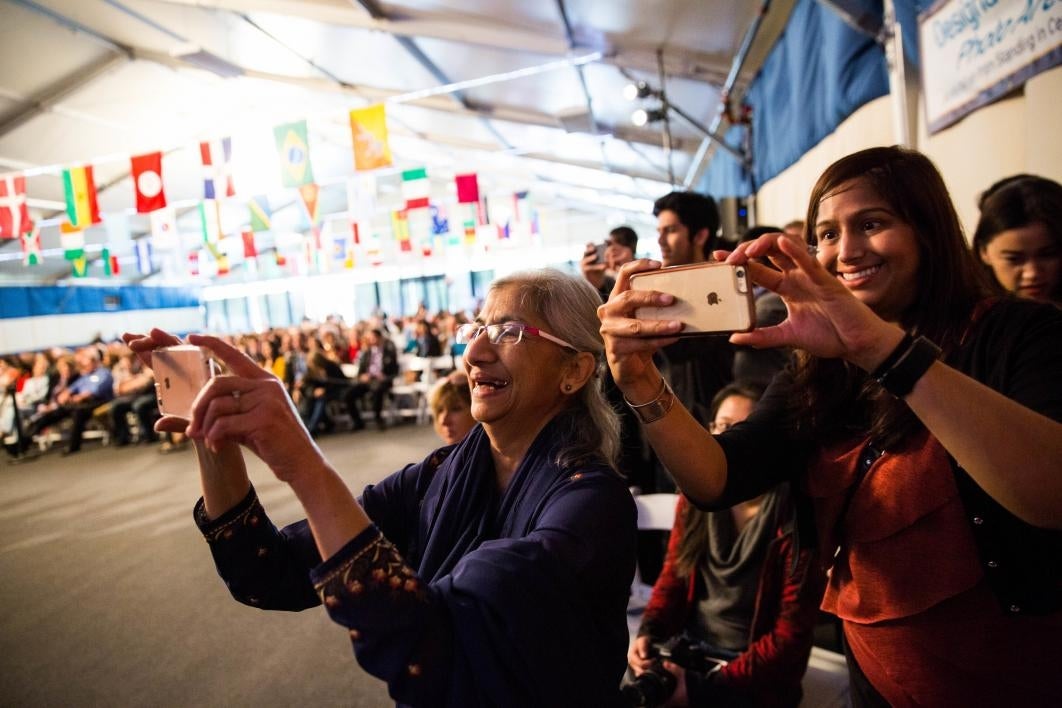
x,y
633,91
642,116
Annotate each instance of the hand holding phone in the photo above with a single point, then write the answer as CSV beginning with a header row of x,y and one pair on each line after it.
x,y
180,373
594,255
710,298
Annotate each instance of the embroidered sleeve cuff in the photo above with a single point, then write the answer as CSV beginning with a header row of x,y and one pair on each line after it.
x,y
368,566
344,555
246,513
368,588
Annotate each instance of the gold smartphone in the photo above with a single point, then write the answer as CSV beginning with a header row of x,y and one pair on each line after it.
x,y
180,372
710,298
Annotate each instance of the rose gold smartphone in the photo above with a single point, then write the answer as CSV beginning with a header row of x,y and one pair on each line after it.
x,y
710,298
180,373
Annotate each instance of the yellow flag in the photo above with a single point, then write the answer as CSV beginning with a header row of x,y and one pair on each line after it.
x,y
368,127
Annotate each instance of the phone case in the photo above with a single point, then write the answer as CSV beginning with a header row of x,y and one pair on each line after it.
x,y
180,373
710,298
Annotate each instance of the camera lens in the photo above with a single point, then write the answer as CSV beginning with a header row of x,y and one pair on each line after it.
x,y
740,272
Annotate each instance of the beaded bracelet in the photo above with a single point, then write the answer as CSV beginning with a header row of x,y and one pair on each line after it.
x,y
657,408
902,369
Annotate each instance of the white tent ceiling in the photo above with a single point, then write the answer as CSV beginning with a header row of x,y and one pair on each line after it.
x,y
95,81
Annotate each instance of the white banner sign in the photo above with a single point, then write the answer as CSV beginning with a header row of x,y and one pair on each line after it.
x,y
974,51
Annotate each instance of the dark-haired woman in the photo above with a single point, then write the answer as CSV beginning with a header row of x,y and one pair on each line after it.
x,y
921,418
1019,236
735,582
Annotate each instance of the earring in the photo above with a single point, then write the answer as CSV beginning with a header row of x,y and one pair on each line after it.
x,y
567,388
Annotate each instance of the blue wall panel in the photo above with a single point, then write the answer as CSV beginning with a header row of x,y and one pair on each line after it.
x,y
61,300
818,73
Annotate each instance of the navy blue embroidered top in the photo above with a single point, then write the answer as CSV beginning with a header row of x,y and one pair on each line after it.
x,y
459,595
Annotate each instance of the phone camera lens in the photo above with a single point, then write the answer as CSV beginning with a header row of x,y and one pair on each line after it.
x,y
741,272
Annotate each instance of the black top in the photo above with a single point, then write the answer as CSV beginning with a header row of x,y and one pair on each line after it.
x,y
1014,349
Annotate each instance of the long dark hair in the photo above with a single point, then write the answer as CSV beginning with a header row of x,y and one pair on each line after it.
x,y
1015,202
694,542
836,399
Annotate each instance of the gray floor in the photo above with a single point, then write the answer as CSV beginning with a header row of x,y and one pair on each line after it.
x,y
109,596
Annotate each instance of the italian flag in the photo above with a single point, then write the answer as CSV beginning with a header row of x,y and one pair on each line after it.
x,y
416,188
80,191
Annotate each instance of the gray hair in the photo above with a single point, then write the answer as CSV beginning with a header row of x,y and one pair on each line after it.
x,y
568,306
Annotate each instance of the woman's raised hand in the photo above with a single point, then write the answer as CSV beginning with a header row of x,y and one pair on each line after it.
x,y
142,345
630,342
249,406
824,319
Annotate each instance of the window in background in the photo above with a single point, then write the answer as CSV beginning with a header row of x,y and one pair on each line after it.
x,y
480,280
365,301
389,299
279,305
297,305
216,319
258,313
430,290
237,315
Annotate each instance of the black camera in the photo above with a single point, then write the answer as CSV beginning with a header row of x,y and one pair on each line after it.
x,y
656,684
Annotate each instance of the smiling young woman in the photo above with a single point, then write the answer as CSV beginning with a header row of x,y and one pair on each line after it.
x,y
921,421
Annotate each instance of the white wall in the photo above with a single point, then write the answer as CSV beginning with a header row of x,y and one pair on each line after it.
x,y
1016,134
32,333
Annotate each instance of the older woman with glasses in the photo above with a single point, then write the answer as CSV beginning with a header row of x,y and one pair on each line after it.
x,y
495,571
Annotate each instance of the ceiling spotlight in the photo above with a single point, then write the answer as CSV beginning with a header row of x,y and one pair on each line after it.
x,y
640,89
641,116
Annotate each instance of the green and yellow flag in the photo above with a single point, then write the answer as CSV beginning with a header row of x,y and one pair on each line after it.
x,y
293,146
80,189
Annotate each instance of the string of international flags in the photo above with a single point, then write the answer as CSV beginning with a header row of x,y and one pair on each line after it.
x,y
418,227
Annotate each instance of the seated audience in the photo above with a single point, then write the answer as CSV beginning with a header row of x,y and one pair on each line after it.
x,y
921,418
492,573
324,382
273,359
426,342
134,393
735,585
377,368
1019,236
92,387
13,376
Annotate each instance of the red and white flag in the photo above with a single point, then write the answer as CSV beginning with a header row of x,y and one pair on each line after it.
x,y
14,212
147,181
217,170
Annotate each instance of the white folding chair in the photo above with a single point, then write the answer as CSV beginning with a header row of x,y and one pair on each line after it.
x,y
416,392
656,512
